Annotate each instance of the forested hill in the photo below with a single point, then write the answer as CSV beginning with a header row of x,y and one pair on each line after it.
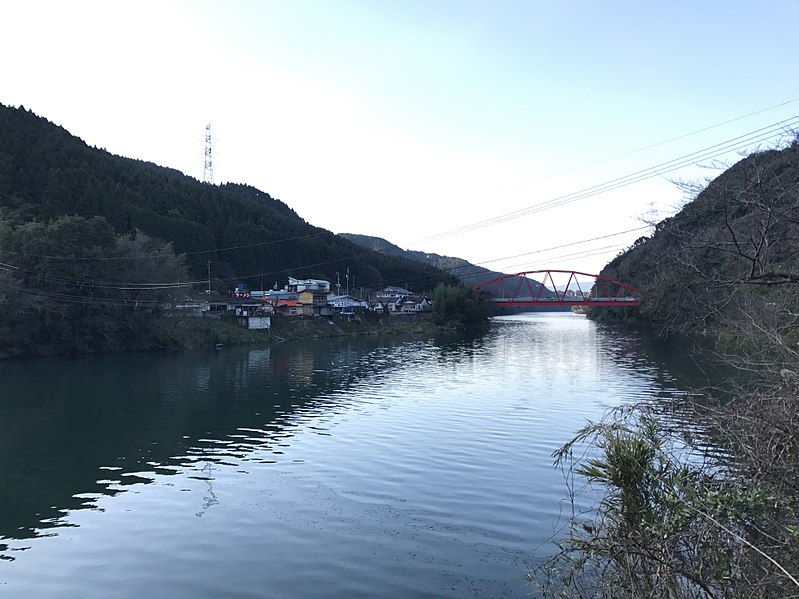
x,y
728,262
469,274
47,173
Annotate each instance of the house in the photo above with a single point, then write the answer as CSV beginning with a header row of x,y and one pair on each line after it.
x,y
413,303
300,297
315,285
390,294
273,296
312,302
289,307
344,304
250,313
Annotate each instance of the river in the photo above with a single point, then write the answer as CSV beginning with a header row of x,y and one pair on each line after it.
x,y
359,467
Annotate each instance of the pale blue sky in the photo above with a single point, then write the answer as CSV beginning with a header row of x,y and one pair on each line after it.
x,y
410,119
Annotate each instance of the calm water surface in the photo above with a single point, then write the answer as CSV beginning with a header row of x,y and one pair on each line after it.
x,y
336,468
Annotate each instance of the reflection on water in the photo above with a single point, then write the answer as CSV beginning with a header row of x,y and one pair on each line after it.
x,y
357,467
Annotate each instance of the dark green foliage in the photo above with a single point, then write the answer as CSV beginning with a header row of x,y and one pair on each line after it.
x,y
460,305
46,173
74,286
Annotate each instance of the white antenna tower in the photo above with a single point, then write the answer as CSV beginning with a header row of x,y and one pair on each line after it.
x,y
208,168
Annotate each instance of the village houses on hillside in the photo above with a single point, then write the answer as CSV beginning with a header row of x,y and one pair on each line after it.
x,y
312,297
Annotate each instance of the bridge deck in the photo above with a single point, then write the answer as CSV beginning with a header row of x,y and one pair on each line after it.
x,y
549,302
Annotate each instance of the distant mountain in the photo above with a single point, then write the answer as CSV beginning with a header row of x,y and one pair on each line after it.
x,y
577,286
468,273
47,173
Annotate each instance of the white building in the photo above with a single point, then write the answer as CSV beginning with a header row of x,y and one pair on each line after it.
x,y
345,303
316,285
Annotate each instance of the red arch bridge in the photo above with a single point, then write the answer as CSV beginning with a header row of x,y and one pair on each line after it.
x,y
575,289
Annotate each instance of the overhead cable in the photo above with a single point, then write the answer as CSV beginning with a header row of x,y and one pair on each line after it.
x,y
710,152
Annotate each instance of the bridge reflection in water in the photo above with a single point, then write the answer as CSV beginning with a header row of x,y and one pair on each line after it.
x,y
535,288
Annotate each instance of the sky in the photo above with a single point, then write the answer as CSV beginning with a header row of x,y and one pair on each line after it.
x,y
519,135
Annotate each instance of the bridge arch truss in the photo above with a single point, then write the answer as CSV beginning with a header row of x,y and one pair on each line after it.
x,y
537,288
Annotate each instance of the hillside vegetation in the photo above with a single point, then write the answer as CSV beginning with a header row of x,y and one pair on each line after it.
x,y
699,496
47,173
93,246
727,264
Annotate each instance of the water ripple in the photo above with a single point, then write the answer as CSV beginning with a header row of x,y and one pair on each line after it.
x,y
345,468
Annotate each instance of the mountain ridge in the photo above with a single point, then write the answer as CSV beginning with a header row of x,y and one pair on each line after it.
x,y
469,274
726,263
47,173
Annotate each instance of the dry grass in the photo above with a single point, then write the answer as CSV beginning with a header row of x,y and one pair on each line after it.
x,y
697,501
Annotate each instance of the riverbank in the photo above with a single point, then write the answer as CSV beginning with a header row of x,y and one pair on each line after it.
x,y
188,333
195,333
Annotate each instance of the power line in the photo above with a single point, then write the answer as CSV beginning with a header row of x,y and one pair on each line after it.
x,y
706,153
119,286
167,255
564,245
717,149
95,285
731,145
452,270
574,255
655,145
669,166
85,299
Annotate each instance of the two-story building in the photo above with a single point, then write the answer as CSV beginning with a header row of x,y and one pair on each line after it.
x,y
311,296
346,305
390,295
315,285
313,303
399,299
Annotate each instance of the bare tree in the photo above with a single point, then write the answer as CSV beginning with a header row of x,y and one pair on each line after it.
x,y
728,263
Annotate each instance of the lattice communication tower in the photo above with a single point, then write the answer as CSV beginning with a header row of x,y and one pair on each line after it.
x,y
208,168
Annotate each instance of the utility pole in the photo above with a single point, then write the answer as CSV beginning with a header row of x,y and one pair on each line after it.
x,y
209,277
338,285
348,280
